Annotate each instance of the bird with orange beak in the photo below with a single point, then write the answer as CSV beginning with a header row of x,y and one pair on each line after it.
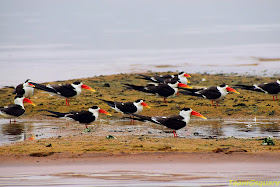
x,y
164,90
64,90
174,122
16,110
211,93
84,117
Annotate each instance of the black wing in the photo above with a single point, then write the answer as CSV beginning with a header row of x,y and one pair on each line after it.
x,y
164,90
271,87
127,107
82,117
66,90
13,110
173,122
210,93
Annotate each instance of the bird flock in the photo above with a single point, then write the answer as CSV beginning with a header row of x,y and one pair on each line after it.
x,y
165,86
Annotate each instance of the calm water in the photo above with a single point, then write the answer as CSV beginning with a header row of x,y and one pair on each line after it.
x,y
49,41
250,128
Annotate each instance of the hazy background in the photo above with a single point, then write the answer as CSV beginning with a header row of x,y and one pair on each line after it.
x,y
64,39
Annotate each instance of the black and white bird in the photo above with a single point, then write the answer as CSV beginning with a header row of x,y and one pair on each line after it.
x,y
64,90
25,89
181,77
84,117
15,110
215,93
174,122
135,107
272,88
163,90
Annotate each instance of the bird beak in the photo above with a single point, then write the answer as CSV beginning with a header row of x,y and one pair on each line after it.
x,y
104,112
25,100
87,87
197,114
187,75
144,104
31,84
184,85
232,90
188,81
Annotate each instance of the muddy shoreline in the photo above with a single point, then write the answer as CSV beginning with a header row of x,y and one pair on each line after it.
x,y
247,105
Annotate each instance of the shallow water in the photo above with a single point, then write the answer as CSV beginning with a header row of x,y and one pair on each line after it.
x,y
37,129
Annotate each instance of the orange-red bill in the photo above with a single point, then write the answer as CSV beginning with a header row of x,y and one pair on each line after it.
x,y
182,85
87,87
198,114
187,75
232,90
31,84
25,100
104,112
144,104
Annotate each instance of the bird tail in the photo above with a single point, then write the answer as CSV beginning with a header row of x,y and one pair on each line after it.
x,y
191,93
55,114
139,88
142,118
247,87
44,88
110,103
146,77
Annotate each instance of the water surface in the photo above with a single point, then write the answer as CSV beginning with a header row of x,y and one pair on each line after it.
x,y
213,128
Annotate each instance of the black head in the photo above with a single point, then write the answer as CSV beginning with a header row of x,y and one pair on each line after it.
x,y
94,107
186,109
27,80
139,100
223,85
181,73
77,82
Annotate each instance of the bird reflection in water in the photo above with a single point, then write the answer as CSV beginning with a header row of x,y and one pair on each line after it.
x,y
15,132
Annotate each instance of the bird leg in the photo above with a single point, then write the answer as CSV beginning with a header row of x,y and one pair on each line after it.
x,y
67,102
175,134
86,126
131,120
213,103
275,97
165,100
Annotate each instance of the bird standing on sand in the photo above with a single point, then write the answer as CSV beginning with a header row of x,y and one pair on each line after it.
x,y
16,110
85,117
163,90
211,93
64,90
181,77
272,88
174,122
135,107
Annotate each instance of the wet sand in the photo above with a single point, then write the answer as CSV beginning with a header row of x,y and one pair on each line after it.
x,y
152,169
